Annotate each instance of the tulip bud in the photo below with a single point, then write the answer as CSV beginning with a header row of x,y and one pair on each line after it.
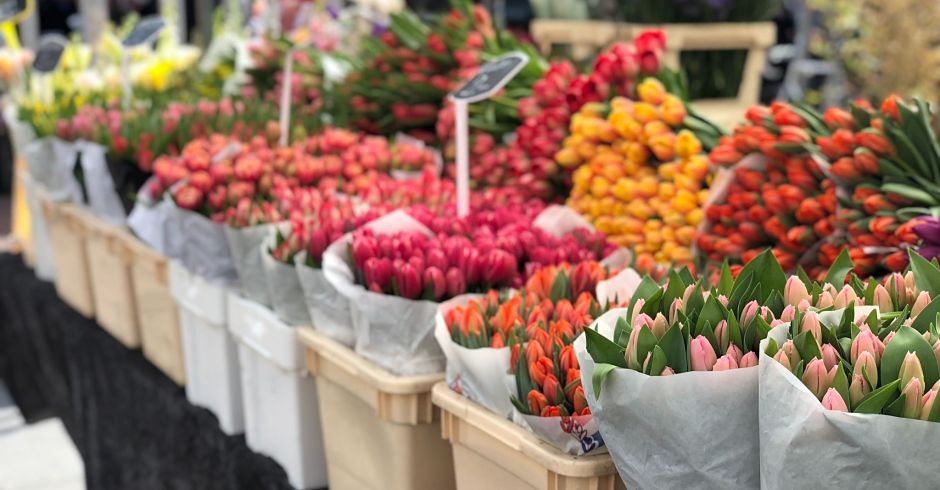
x,y
811,324
867,341
541,369
552,389
846,295
629,353
858,389
579,400
882,299
674,310
923,299
735,352
794,291
816,378
895,284
659,326
722,334
866,363
687,293
637,307
436,283
788,313
533,352
913,398
455,282
830,356
910,369
782,358
702,354
888,338
825,300
832,400
568,358
725,363
910,284
537,402
789,348
927,404
748,360
936,350
667,371
748,314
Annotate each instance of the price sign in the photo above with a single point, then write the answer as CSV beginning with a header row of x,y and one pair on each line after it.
x,y
491,77
144,32
9,9
51,47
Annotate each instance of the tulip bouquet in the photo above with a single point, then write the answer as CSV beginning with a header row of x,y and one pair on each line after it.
x,y
527,334
686,345
841,383
776,194
639,177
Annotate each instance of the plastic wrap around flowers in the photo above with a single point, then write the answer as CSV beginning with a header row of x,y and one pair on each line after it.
x,y
488,249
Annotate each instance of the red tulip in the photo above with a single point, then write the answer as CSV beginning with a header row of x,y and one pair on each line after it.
x,y
537,402
435,282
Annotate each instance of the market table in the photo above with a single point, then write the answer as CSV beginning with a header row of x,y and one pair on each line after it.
x,y
131,424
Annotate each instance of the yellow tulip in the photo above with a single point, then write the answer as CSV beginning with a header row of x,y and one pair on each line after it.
x,y
651,91
695,216
684,201
653,128
567,157
687,144
662,146
645,112
624,189
673,110
685,234
599,186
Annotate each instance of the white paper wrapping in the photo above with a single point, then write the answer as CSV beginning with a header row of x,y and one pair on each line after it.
x,y
476,373
50,161
690,430
199,244
578,435
103,200
560,220
45,260
391,331
21,133
329,310
287,297
803,445
244,244
148,218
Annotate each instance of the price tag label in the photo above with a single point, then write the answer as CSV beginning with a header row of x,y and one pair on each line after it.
x,y
51,47
491,77
9,9
144,32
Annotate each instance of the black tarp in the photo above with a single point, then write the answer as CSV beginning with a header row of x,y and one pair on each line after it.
x,y
131,424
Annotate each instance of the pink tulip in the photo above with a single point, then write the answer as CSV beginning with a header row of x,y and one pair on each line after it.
x,y
363,248
702,354
722,335
630,353
735,352
832,400
936,350
782,358
789,349
816,378
858,389
408,281
788,313
725,363
377,274
811,324
748,360
674,310
882,299
895,284
436,257
667,371
435,282
826,299
867,364
867,341
748,314
456,284
910,369
923,299
659,326
927,404
846,295
888,338
830,356
795,291
913,398
498,268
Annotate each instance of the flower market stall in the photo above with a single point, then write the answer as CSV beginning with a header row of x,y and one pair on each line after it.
x,y
362,247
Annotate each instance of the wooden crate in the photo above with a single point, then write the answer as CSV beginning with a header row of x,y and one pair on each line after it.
x,y
68,237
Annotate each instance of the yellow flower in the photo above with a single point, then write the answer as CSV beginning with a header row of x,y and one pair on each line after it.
x,y
651,91
687,144
644,112
673,110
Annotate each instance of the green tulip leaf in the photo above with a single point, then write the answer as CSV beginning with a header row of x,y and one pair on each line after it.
x,y
875,401
644,344
601,371
734,333
657,361
602,349
766,271
674,289
652,306
711,314
845,344
934,415
775,303
839,269
674,346
687,276
926,274
841,382
772,348
896,407
559,287
725,280
622,331
905,340
646,288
